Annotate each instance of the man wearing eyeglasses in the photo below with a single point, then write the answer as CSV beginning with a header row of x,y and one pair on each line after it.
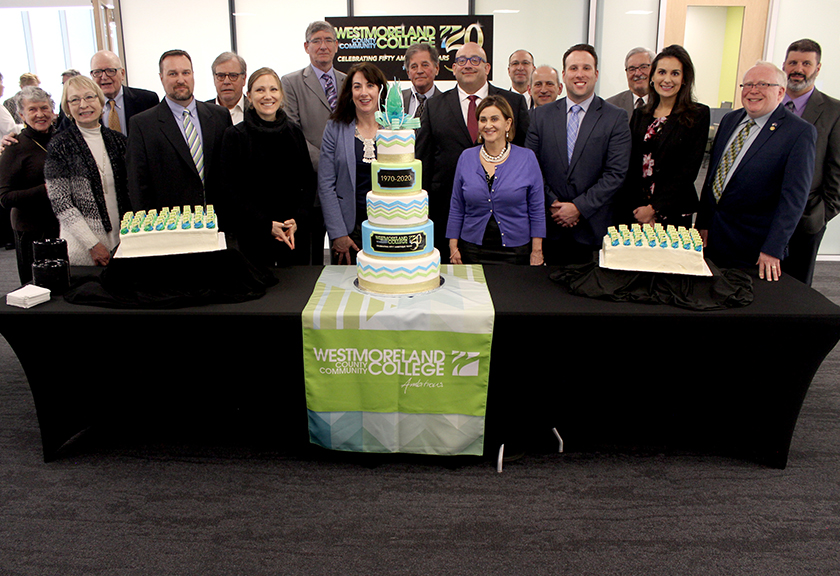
x,y
310,97
637,67
758,179
229,73
446,130
121,102
520,68
802,66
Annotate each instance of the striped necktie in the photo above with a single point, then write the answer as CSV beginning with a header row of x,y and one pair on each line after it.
x,y
329,90
728,158
194,142
572,130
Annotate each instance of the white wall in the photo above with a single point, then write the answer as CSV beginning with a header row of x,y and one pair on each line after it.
x,y
151,27
622,25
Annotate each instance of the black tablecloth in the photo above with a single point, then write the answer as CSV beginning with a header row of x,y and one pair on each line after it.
x,y
598,371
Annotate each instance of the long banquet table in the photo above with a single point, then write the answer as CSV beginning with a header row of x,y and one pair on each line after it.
x,y
601,373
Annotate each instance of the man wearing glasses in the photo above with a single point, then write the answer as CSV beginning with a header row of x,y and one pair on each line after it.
x,y
637,67
229,73
121,102
310,97
759,178
448,127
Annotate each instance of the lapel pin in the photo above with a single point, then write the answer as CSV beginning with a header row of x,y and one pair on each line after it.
x,y
773,126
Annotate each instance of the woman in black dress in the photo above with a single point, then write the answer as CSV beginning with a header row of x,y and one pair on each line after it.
x,y
269,180
670,134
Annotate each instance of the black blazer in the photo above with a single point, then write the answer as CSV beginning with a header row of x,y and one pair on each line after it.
x,y
677,156
443,135
161,172
137,100
823,112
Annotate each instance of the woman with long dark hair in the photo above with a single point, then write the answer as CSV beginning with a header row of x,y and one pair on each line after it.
x,y
347,150
670,134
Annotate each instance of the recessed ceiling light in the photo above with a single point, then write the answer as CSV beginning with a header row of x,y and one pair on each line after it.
x,y
503,11
640,12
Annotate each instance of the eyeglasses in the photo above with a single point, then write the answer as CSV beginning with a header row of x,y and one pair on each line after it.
x,y
759,85
319,41
234,76
88,100
109,72
634,69
474,60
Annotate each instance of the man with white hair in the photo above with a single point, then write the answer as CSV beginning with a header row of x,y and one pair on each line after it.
x,y
759,178
121,102
637,67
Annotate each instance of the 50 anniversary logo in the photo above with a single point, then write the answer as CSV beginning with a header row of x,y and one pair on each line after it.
x,y
384,40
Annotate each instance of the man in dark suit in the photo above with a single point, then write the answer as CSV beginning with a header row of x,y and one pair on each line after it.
x,y
449,126
121,102
637,67
422,64
583,147
173,153
310,97
802,66
229,75
758,180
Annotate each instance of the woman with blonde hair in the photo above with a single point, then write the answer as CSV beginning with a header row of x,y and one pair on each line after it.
x,y
269,178
86,178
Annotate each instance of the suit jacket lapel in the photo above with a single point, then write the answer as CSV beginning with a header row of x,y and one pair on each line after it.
x,y
170,129
813,108
208,128
560,134
776,119
350,152
589,120
314,83
454,106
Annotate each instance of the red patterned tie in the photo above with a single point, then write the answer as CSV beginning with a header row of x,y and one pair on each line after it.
x,y
472,121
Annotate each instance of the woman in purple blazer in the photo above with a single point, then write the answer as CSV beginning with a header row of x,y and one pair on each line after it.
x,y
497,212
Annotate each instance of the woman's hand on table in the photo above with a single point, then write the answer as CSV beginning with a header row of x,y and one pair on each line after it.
x,y
342,246
101,255
285,232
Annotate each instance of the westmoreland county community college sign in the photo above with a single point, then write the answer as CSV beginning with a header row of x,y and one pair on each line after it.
x,y
383,40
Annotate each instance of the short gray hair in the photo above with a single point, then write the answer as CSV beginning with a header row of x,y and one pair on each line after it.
x,y
32,94
319,26
421,47
639,50
781,77
227,57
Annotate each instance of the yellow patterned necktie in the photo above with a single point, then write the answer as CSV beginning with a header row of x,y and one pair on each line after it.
x,y
113,118
728,158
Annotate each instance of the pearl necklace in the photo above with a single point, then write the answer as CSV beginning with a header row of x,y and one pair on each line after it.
x,y
495,159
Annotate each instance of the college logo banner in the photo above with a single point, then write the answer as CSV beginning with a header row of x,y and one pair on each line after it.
x,y
398,374
383,40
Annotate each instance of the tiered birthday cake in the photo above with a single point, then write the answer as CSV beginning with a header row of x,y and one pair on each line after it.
x,y
170,231
656,248
398,254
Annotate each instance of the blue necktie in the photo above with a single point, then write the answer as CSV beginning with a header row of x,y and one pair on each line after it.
x,y
572,127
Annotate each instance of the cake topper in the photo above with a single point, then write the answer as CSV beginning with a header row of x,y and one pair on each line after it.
x,y
392,116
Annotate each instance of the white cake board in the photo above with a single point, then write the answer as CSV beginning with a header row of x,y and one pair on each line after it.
x,y
706,272
222,246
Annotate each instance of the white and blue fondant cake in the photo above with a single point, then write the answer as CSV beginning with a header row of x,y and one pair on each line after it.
x,y
398,254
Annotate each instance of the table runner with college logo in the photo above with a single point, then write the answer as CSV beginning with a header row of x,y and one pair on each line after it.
x,y
401,373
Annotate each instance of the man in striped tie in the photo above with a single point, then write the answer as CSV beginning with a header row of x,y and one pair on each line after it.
x,y
759,178
173,153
